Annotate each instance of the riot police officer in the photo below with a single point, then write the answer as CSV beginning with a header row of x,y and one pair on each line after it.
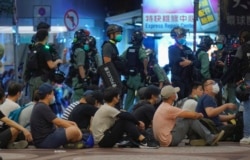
x,y
181,59
137,61
77,72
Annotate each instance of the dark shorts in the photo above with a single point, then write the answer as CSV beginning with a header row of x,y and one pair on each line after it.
x,y
5,137
54,140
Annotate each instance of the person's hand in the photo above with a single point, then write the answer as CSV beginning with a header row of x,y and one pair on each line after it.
x,y
59,61
231,106
199,115
72,123
27,135
220,63
65,51
185,62
141,125
213,48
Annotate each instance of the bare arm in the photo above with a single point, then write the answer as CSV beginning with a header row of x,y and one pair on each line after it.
x,y
211,111
53,64
63,123
15,125
226,118
145,65
191,115
82,72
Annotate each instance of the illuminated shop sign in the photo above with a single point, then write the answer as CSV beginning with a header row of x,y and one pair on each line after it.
x,y
162,15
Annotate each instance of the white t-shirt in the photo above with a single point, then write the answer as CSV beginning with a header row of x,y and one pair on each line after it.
x,y
190,105
103,119
8,106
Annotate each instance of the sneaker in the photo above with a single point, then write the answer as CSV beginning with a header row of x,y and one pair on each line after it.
x,y
198,142
18,145
147,144
245,140
218,137
76,145
127,144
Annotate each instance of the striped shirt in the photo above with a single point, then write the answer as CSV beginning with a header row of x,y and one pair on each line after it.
x,y
68,111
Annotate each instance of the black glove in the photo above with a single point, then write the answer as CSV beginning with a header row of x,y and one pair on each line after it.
x,y
85,82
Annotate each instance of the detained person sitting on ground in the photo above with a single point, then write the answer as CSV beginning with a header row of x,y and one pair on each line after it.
x,y
208,107
47,128
189,103
11,131
83,113
172,124
109,124
145,111
14,94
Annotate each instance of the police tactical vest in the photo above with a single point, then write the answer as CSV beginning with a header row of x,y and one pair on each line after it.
x,y
134,64
245,64
119,63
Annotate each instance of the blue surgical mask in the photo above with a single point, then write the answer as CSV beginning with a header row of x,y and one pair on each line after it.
x,y
181,41
53,100
118,38
219,46
86,47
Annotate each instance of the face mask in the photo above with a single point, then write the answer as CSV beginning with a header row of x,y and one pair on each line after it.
x,y
181,41
176,96
118,38
158,99
86,47
53,100
216,88
219,46
196,97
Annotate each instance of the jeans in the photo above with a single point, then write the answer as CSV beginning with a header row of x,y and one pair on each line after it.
x,y
246,116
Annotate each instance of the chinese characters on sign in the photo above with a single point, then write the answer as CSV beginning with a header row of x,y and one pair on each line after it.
x,y
169,18
235,16
159,16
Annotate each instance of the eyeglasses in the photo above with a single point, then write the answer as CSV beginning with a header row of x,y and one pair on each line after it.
x,y
212,83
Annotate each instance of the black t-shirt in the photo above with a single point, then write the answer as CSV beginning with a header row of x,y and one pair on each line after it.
x,y
41,122
145,113
44,56
82,114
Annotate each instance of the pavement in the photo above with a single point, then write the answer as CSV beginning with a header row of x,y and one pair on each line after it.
x,y
224,151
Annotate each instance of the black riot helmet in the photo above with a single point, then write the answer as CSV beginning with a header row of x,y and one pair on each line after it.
x,y
81,35
59,76
205,43
113,28
92,42
43,25
177,32
137,37
220,39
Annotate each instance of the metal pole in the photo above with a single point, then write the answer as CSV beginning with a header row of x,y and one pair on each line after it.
x,y
16,39
196,8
